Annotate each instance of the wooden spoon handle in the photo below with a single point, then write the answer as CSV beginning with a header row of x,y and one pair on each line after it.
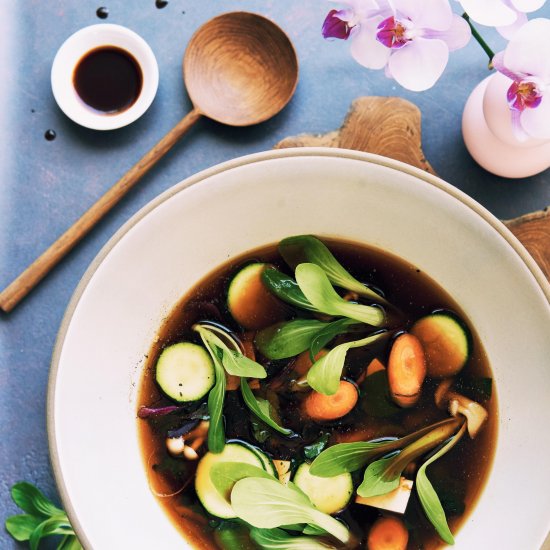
x,y
27,280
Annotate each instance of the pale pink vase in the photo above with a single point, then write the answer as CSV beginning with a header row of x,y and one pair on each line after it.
x,y
488,135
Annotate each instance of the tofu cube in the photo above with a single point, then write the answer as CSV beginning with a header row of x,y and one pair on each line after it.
x,y
395,501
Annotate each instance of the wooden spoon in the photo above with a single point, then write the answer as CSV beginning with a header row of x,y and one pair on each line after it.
x,y
239,69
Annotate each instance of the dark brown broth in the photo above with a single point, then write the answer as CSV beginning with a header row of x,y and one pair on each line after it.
x,y
463,471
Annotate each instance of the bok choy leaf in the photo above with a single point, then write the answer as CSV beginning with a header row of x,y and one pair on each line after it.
x,y
278,539
318,290
291,338
267,503
261,408
286,289
324,375
427,495
307,248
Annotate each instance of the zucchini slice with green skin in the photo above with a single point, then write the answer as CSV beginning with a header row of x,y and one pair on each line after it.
x,y
249,301
185,372
328,494
267,463
447,343
215,503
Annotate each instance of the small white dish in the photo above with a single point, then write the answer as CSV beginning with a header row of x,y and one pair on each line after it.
x,y
75,48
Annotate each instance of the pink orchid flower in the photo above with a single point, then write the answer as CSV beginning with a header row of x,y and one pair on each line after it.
x,y
507,15
410,39
526,62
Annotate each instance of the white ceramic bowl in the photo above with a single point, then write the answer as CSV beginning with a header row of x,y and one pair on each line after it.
x,y
72,51
226,210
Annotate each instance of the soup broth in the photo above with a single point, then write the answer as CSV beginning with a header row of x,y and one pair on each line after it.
x,y
458,477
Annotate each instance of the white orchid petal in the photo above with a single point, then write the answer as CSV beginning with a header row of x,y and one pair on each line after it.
x,y
536,122
508,31
427,14
456,37
527,52
527,6
419,64
366,50
489,12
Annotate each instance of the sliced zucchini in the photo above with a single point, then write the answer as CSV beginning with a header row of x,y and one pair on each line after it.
x,y
215,503
328,494
267,463
250,302
447,343
185,372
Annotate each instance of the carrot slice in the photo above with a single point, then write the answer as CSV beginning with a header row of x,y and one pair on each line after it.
x,y
324,408
388,533
303,362
406,370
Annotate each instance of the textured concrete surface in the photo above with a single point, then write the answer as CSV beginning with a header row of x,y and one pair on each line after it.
x,y
46,185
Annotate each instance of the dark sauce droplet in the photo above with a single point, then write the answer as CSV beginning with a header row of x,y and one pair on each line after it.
x,y
161,4
50,135
108,79
102,12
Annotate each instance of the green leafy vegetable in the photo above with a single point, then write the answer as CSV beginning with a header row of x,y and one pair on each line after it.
x,y
350,457
266,503
291,338
318,289
307,248
347,457
234,535
224,359
313,450
378,402
224,475
286,289
43,519
382,476
233,361
261,408
324,375
278,539
427,495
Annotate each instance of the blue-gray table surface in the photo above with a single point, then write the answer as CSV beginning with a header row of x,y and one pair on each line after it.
x,y
46,185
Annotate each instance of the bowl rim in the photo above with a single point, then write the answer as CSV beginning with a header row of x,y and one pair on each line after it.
x,y
311,152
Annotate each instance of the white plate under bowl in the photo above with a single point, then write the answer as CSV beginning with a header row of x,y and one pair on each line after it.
x,y
222,212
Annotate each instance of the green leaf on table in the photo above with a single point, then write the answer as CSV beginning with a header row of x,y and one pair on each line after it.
x,y
32,500
278,539
69,542
307,248
381,477
318,290
56,525
261,408
266,503
21,526
324,375
286,289
347,457
428,497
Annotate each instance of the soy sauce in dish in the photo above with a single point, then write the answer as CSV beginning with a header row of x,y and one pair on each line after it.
x,y
108,79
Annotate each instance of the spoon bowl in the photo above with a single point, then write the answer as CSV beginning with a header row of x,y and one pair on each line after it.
x,y
240,69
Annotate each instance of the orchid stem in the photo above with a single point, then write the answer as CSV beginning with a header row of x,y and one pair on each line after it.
x,y
479,38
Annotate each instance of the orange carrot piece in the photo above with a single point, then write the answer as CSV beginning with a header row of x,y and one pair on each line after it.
x,y
303,362
406,370
388,533
323,408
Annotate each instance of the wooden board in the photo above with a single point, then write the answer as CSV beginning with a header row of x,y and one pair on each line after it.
x,y
391,126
